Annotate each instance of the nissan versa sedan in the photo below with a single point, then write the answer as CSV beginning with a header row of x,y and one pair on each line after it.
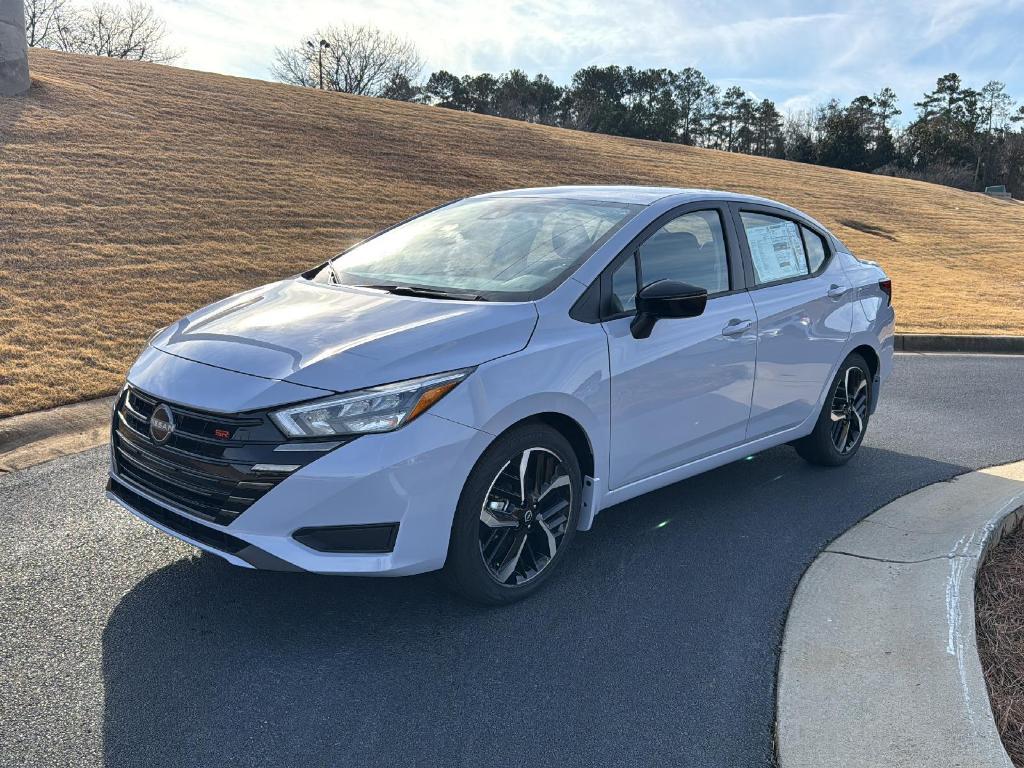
x,y
468,389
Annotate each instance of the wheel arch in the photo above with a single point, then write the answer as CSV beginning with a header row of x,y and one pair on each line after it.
x,y
572,431
871,357
874,361
585,445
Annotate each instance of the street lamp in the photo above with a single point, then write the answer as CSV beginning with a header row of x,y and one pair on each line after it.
x,y
324,45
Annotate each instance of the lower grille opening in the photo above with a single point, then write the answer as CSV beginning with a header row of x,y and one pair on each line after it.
x,y
177,523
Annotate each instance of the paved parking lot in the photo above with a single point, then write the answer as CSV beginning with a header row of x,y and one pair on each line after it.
x,y
656,644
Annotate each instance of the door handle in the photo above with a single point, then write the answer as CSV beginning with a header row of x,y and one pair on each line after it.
x,y
837,291
736,327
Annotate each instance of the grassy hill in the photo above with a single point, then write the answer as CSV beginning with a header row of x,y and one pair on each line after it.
x,y
132,193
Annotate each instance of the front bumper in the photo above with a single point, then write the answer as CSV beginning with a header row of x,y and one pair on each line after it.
x,y
412,477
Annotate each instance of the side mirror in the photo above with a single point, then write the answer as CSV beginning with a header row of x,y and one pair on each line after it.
x,y
666,299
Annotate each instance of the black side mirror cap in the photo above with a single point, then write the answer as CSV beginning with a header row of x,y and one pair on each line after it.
x,y
665,299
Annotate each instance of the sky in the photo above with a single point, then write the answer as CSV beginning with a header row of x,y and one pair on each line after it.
x,y
798,54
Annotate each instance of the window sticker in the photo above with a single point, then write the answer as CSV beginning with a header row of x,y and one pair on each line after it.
x,y
776,251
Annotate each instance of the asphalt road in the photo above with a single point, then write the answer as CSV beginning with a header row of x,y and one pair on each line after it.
x,y
655,645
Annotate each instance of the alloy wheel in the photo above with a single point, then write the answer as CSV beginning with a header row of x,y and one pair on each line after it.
x,y
849,410
525,516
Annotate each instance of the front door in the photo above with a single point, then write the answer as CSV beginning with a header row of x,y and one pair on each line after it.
x,y
684,392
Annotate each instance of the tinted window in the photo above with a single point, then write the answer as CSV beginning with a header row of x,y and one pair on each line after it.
x,y
775,247
816,250
623,288
691,249
499,247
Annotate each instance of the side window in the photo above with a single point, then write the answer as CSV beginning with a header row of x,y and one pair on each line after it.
x,y
691,249
775,247
816,250
624,284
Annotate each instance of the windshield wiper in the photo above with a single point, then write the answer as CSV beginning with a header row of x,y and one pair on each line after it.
x,y
427,293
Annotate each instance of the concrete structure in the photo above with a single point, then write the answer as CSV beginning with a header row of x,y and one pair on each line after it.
x,y
13,48
879,664
998,191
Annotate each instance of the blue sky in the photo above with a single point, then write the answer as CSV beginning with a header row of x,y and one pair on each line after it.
x,y
795,53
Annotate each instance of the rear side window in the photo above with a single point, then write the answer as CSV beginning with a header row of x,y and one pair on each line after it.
x,y
775,247
816,250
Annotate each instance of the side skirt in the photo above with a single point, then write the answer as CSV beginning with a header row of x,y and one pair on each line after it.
x,y
668,477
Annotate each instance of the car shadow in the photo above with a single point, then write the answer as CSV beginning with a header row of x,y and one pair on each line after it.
x,y
657,640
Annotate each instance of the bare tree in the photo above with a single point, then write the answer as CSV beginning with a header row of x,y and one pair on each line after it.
x,y
42,19
351,59
133,31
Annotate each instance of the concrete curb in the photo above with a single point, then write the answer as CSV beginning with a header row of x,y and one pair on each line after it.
x,y
36,437
879,664
984,345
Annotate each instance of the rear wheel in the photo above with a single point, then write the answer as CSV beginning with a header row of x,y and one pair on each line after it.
x,y
517,514
843,420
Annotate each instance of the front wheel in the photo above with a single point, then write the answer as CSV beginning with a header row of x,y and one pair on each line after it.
x,y
843,420
516,516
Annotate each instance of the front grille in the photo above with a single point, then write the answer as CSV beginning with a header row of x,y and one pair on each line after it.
x,y
205,467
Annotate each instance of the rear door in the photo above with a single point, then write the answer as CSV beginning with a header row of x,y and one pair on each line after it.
x,y
804,306
684,392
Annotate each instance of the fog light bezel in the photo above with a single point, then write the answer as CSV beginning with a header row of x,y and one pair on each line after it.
x,y
366,538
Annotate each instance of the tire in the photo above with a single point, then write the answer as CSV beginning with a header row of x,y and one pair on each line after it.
x,y
842,423
493,526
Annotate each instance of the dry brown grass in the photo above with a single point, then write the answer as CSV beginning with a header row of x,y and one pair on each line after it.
x,y
999,616
132,193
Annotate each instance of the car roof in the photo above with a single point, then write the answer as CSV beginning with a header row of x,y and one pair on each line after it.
x,y
640,195
630,194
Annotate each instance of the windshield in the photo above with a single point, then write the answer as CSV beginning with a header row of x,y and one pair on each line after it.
x,y
500,247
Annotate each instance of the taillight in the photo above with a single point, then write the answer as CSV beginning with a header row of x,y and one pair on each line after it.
x,y
886,286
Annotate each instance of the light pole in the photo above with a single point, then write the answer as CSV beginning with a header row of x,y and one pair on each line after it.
x,y
13,48
324,45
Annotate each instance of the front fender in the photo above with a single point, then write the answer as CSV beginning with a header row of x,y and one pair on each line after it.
x,y
563,372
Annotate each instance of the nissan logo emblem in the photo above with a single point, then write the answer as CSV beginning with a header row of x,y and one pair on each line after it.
x,y
161,424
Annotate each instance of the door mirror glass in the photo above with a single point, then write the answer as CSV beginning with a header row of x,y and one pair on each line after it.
x,y
666,299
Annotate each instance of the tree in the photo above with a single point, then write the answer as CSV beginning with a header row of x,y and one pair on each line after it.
x,y
593,100
119,32
443,89
546,98
942,136
519,98
133,31
768,124
798,138
695,101
400,88
885,109
995,105
842,137
42,18
356,59
651,111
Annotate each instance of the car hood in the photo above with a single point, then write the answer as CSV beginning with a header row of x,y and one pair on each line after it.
x,y
340,338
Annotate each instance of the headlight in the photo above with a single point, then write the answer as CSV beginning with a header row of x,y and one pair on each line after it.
x,y
378,409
